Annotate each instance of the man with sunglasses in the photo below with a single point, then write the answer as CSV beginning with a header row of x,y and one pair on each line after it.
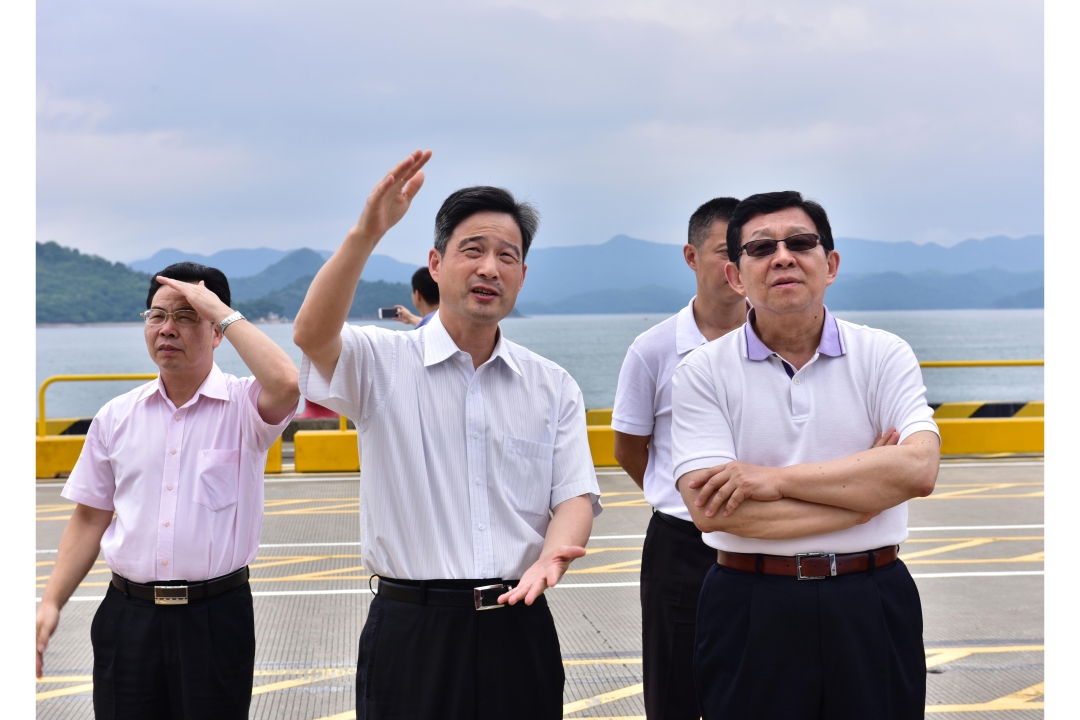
x,y
169,487
808,613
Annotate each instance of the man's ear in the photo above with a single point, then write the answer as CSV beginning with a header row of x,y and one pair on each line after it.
x,y
734,278
218,336
434,261
689,253
524,269
833,261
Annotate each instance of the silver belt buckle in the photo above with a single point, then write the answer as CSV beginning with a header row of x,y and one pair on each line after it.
x,y
170,594
798,565
478,596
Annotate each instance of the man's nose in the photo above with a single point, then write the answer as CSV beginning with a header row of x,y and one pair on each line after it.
x,y
488,266
169,328
782,257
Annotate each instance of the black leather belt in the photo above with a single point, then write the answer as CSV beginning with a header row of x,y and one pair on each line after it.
x,y
179,592
476,594
683,525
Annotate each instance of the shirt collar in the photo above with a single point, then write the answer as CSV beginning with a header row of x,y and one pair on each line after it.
x,y
214,386
438,345
687,334
830,344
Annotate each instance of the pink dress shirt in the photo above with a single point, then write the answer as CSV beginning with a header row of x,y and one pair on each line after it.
x,y
186,484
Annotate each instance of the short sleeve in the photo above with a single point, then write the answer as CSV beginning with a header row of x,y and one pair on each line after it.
x,y
635,397
363,377
92,481
259,435
701,432
572,472
901,401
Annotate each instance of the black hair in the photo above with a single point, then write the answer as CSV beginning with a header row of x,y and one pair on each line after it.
x,y
765,203
215,280
423,283
468,201
701,221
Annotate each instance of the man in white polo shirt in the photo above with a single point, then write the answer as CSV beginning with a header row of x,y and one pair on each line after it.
x,y
674,560
808,613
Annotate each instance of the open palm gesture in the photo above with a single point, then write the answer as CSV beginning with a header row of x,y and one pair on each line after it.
x,y
390,198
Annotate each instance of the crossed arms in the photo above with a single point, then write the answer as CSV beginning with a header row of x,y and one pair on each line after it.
x,y
811,498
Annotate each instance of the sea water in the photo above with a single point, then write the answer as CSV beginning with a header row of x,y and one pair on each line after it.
x,y
591,348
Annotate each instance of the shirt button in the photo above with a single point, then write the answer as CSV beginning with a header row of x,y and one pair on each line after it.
x,y
798,381
168,487
476,480
164,562
483,526
173,451
178,416
475,435
166,523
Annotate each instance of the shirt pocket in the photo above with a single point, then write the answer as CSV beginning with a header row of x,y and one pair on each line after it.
x,y
217,478
526,474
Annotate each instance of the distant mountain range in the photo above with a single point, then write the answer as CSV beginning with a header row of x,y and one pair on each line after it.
x,y
246,263
77,288
621,275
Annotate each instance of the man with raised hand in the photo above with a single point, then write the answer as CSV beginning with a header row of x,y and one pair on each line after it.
x,y
808,613
674,560
478,483
169,486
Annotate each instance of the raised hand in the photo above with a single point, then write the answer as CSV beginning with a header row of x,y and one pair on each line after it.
x,y
390,198
544,573
202,301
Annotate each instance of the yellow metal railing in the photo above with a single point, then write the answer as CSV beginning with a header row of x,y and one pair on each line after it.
x,y
78,378
978,363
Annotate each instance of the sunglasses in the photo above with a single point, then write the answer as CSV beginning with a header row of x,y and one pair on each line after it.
x,y
796,243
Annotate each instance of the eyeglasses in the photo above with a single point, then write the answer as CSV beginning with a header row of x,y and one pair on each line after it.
x,y
767,246
183,318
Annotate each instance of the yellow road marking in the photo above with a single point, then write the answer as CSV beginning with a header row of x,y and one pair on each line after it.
x,y
65,679
1033,557
613,567
940,656
277,560
314,677
1013,538
318,575
974,542
61,692
603,698
1019,700
639,502
624,492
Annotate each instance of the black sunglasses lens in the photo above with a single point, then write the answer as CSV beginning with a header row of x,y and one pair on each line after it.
x,y
760,248
799,243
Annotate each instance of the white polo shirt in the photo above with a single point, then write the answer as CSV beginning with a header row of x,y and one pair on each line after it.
x,y
734,399
643,400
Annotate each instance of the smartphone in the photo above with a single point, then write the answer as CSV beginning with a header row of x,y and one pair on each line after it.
x,y
388,313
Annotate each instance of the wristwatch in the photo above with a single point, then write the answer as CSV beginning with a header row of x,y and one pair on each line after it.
x,y
229,321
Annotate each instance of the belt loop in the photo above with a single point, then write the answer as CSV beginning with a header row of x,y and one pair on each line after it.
x,y
757,564
873,561
127,588
370,578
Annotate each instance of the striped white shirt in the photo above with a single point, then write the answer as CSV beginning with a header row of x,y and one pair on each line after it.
x,y
459,468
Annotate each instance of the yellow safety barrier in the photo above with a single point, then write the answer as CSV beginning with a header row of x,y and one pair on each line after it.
x,y
602,445
326,450
598,417
58,454
979,363
984,436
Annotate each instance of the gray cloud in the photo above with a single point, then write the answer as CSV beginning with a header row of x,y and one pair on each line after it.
x,y
213,125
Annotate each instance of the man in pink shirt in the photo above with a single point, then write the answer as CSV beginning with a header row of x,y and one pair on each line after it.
x,y
179,462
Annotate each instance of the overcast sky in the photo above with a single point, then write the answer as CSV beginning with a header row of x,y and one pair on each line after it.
x,y
209,125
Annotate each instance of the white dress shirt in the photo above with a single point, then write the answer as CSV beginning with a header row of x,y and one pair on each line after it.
x,y
186,483
735,399
459,468
643,401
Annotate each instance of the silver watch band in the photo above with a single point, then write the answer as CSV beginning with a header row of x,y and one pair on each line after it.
x,y
229,321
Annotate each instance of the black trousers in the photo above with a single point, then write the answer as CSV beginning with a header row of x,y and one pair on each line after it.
x,y
181,662
424,662
674,562
846,647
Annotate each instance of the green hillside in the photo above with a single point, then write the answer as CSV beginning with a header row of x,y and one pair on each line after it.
x,y
370,296
77,288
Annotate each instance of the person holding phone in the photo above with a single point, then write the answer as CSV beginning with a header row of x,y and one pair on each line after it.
x,y
467,521
425,298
